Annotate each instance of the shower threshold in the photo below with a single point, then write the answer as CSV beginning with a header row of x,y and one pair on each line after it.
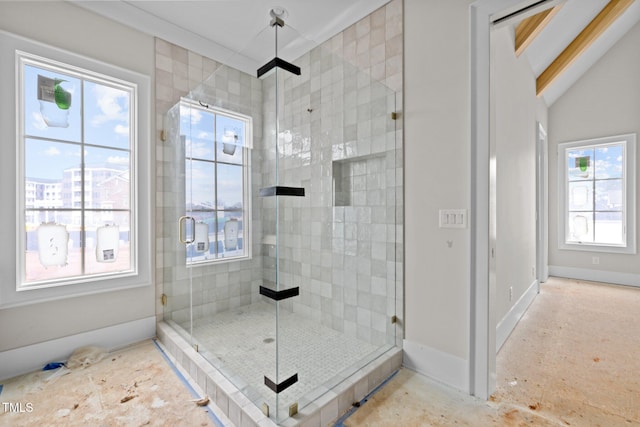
x,y
366,367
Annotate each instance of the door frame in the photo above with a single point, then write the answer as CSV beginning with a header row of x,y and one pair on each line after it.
x,y
482,332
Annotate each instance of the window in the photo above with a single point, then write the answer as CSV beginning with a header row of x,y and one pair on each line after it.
x,y
597,194
76,142
217,188
42,189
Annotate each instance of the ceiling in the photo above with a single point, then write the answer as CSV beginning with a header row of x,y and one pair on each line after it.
x,y
237,32
569,21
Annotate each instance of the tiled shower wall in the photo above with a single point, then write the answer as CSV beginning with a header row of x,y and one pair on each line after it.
x,y
346,258
218,287
342,243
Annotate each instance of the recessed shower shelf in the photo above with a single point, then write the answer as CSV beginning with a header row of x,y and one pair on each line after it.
x,y
281,191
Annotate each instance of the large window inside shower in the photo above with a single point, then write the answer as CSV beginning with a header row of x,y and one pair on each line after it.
x,y
217,190
314,297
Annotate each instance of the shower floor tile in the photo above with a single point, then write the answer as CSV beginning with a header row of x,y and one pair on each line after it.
x,y
241,343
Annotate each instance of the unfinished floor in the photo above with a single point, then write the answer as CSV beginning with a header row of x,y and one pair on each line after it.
x,y
571,361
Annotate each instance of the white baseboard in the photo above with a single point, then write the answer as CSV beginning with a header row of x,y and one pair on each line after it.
x,y
614,277
33,357
511,319
438,365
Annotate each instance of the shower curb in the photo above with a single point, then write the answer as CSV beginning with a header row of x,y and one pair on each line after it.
x,y
242,412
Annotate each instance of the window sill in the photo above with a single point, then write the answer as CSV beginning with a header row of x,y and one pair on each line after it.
x,y
585,247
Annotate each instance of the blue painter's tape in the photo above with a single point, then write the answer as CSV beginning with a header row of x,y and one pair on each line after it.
x,y
1,387
342,419
53,365
215,419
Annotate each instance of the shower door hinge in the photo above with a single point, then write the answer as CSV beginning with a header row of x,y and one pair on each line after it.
x,y
163,137
163,299
293,409
394,319
394,116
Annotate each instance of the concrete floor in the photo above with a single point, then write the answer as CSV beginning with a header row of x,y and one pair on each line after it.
x,y
573,360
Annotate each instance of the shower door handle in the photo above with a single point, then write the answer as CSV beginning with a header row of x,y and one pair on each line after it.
x,y
181,232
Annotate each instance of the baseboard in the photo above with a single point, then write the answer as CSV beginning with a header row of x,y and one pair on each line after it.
x,y
511,319
33,357
438,365
615,277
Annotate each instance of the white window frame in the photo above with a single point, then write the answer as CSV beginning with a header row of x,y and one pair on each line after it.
x,y
247,235
629,195
12,293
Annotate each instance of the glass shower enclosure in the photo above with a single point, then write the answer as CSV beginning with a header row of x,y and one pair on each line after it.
x,y
280,211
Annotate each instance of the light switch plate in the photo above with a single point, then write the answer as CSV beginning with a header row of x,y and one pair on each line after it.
x,y
453,218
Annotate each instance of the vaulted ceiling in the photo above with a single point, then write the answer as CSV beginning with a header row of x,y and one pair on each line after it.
x,y
561,39
564,39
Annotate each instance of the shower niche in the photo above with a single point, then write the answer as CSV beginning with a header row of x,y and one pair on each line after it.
x,y
279,215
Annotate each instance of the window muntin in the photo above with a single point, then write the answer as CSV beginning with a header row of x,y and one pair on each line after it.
x,y
217,186
597,194
76,143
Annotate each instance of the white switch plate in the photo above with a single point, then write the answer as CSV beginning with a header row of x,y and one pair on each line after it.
x,y
453,218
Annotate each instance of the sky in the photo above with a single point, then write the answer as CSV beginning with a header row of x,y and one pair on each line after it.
x,y
107,124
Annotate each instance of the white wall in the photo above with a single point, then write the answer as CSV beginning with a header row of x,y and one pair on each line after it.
x,y
437,150
436,112
604,102
517,110
68,27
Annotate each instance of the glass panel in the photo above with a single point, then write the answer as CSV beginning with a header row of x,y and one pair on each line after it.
x,y
580,227
107,114
200,143
50,161
580,195
176,275
107,236
53,246
200,185
229,186
230,139
609,228
204,246
107,179
52,104
231,233
609,162
609,195
580,164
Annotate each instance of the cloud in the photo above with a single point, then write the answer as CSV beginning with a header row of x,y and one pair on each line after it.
x,y
198,149
112,103
38,121
118,160
51,151
195,114
121,130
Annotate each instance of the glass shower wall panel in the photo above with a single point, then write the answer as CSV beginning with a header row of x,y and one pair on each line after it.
x,y
177,280
337,139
